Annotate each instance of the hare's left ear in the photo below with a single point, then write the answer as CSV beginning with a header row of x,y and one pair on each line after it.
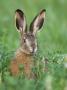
x,y
20,21
37,22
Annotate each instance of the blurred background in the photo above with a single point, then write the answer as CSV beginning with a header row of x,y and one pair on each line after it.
x,y
52,39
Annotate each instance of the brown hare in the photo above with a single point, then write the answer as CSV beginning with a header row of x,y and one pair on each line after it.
x,y
28,45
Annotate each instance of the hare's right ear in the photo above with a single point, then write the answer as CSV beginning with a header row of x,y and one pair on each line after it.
x,y
20,21
37,22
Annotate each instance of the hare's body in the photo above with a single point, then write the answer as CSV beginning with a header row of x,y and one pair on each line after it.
x,y
28,42
24,60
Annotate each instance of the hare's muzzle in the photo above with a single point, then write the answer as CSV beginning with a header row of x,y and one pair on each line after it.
x,y
33,51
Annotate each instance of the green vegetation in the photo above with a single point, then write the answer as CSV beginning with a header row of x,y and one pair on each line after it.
x,y
52,45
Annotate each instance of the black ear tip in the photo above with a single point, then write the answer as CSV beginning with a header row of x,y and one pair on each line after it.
x,y
19,11
43,10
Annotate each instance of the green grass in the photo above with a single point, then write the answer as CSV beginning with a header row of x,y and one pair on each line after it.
x,y
52,44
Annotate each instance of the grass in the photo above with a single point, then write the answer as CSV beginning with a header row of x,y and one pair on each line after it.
x,y
52,45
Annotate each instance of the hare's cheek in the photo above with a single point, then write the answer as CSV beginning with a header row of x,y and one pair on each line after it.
x,y
27,48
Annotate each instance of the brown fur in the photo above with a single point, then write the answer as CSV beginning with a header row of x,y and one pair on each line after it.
x,y
21,58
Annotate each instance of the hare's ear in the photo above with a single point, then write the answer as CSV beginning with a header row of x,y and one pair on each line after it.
x,y
37,22
20,21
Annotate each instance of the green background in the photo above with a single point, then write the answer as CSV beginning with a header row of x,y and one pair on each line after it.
x,y
52,41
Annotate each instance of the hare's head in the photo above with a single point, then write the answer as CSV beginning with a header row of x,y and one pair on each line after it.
x,y
28,37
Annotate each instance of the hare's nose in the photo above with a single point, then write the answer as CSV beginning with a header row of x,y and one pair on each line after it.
x,y
32,51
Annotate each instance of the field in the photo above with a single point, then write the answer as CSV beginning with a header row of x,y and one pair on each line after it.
x,y
52,43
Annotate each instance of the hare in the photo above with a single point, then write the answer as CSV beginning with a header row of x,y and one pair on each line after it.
x,y
28,47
